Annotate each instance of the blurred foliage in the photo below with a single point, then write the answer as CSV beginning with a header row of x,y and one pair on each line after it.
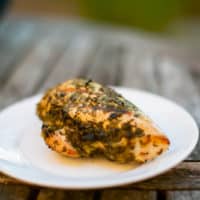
x,y
151,15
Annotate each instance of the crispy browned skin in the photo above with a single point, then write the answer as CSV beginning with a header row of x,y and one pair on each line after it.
x,y
82,118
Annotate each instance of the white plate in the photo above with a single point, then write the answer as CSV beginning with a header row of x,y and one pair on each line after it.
x,y
24,155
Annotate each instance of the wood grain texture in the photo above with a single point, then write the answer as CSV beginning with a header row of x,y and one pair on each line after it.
x,y
184,195
176,83
13,192
33,69
104,67
16,39
127,195
73,61
196,77
138,70
50,194
181,85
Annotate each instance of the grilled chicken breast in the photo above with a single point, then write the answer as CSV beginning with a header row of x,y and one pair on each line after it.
x,y
82,118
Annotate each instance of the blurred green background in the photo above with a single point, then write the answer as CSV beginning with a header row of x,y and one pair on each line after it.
x,y
153,15
149,15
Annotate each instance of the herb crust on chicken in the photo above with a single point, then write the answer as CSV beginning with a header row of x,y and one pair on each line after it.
x,y
82,118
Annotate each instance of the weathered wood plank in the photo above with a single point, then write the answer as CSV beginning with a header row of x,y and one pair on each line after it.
x,y
196,77
127,195
51,194
104,67
180,87
13,192
138,70
175,82
47,194
16,39
186,176
73,60
32,71
183,195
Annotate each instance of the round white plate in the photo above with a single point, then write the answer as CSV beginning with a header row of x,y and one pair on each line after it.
x,y
24,155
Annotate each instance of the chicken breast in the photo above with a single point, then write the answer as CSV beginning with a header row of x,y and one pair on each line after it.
x,y
82,118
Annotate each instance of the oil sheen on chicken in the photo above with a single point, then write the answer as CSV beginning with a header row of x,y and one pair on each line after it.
x,y
82,118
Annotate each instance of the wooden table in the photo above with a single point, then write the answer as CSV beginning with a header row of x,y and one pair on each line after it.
x,y
38,53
